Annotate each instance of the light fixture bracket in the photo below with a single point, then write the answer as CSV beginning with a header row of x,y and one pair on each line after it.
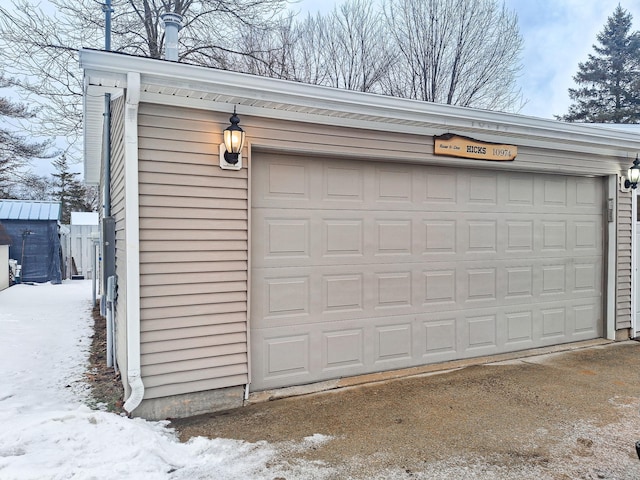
x,y
227,163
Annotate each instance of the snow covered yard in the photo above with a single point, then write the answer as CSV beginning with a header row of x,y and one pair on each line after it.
x,y
49,433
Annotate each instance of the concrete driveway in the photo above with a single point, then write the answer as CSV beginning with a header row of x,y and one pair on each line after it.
x,y
567,415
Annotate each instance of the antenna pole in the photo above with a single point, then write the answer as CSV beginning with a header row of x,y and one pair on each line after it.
x,y
106,8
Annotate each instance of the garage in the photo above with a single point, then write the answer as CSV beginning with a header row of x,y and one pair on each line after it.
x,y
364,266
356,234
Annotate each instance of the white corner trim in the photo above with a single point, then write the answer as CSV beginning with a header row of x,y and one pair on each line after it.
x,y
612,248
132,239
634,263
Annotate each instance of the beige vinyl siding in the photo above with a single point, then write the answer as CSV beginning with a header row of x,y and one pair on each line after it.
x,y
117,211
623,283
330,141
194,230
193,256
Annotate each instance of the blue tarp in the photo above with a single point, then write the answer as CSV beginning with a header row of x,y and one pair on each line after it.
x,y
40,257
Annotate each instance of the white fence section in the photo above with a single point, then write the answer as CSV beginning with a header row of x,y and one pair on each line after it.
x,y
79,245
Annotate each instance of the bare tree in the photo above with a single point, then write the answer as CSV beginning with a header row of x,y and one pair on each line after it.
x,y
267,53
39,52
308,62
40,44
295,50
357,53
462,52
344,49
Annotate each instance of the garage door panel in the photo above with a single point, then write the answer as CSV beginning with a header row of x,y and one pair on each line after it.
x,y
555,192
336,238
393,343
307,353
393,185
343,183
438,337
480,333
585,318
359,267
354,185
519,191
482,189
518,329
440,188
283,296
343,349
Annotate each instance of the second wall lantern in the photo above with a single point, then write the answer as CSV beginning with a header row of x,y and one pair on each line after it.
x,y
633,174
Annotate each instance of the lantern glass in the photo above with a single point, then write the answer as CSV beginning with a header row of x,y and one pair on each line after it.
x,y
233,139
633,174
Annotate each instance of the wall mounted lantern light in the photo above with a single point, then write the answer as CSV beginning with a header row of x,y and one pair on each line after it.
x,y
633,174
231,149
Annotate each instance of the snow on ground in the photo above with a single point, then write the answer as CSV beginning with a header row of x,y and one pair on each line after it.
x,y
47,432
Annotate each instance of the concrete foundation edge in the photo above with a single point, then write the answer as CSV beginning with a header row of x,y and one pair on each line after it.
x,y
623,334
190,404
390,375
210,401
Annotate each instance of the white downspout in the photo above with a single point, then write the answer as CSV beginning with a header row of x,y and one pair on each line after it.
x,y
132,236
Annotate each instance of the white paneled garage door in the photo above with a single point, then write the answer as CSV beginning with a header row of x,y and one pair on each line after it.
x,y
359,267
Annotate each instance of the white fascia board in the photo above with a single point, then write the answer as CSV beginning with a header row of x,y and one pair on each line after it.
x,y
338,105
600,148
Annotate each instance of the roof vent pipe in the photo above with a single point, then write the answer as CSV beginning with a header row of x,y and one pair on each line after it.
x,y
172,25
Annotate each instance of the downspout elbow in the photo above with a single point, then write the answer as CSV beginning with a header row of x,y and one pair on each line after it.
x,y
137,391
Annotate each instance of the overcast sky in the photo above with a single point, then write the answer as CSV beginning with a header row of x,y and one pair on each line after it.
x,y
558,34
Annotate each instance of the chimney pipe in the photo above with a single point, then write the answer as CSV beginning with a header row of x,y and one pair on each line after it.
x,y
172,25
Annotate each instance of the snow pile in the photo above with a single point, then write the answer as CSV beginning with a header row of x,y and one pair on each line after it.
x,y
48,433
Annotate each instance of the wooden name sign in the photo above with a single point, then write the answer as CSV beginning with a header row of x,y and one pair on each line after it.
x,y
464,147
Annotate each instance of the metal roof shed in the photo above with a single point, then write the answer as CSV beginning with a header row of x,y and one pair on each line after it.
x,y
35,242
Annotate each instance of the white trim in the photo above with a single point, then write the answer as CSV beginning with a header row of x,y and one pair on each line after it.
x,y
132,238
634,262
612,248
113,66
181,84
249,261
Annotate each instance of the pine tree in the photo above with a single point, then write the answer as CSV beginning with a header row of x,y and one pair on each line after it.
x,y
609,85
16,150
68,189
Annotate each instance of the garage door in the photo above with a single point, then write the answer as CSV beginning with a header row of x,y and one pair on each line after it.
x,y
360,267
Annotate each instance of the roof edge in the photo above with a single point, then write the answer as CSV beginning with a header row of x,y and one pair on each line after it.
x,y
341,101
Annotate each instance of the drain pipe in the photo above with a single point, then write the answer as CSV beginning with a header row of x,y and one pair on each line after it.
x,y
132,245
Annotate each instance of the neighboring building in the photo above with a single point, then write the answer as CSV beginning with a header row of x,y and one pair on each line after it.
x,y
79,251
5,241
33,227
363,233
